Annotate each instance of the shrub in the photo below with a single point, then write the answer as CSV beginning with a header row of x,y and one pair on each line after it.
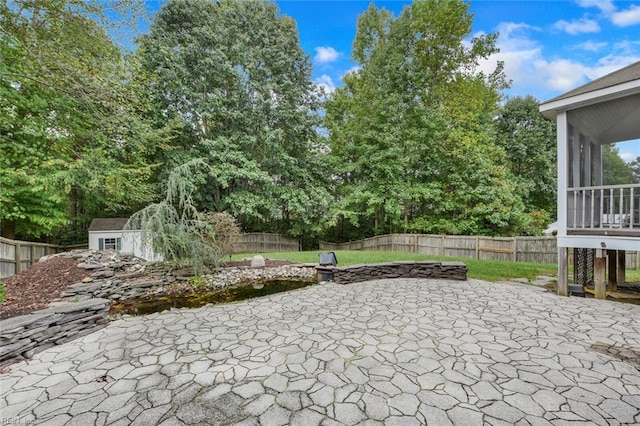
x,y
225,232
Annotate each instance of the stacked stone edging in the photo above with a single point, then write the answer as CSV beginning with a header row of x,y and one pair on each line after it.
x,y
400,269
156,280
22,336
83,307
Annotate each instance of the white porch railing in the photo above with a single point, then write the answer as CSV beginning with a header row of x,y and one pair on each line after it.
x,y
603,209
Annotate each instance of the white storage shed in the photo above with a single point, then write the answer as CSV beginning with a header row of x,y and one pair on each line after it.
x,y
109,234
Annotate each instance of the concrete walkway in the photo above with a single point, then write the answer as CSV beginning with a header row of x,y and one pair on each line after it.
x,y
392,352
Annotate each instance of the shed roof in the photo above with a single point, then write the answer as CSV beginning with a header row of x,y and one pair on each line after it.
x,y
108,224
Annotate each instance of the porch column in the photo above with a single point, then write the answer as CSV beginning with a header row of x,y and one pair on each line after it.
x,y
599,270
612,270
563,281
563,173
622,267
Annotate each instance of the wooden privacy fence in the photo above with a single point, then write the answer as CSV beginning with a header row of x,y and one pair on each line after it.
x,y
518,249
262,242
16,256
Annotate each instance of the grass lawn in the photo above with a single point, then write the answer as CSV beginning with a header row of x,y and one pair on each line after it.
x,y
488,270
633,276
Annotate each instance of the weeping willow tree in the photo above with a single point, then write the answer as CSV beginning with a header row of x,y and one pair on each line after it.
x,y
174,228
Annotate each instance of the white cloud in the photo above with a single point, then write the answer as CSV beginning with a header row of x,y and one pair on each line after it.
x,y
326,83
326,54
561,74
605,6
627,17
354,68
592,46
531,72
627,156
620,18
577,26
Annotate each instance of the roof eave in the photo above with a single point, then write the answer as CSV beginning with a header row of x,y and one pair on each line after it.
x,y
551,108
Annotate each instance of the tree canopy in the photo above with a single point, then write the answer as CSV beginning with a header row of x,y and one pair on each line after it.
x,y
67,145
417,139
411,131
529,141
235,75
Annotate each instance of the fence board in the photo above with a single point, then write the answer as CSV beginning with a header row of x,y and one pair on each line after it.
x,y
460,246
263,243
430,244
521,249
16,256
537,250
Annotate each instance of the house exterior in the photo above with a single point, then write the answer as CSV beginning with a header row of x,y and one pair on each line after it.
x,y
109,234
604,219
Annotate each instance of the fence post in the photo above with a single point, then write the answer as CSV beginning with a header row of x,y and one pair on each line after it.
x,y
515,249
18,257
477,248
415,243
442,245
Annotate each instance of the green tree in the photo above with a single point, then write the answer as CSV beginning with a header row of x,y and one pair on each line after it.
x,y
635,167
233,72
411,131
529,140
175,229
69,138
615,171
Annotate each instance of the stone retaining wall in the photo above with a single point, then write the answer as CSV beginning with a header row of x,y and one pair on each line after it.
x,y
400,269
83,307
21,337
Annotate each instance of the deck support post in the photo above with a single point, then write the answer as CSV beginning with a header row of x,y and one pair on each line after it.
x,y
563,279
612,270
622,268
599,272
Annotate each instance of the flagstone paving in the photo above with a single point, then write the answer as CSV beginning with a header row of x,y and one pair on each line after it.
x,y
389,352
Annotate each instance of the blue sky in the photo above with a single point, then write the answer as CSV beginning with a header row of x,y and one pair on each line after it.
x,y
548,47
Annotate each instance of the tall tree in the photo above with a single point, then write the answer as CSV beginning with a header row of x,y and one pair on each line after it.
x,y
410,132
234,73
635,167
529,140
69,142
615,171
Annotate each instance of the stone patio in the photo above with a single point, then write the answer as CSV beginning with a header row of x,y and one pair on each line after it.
x,y
404,351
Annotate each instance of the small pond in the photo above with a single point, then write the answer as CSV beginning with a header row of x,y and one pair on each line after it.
x,y
198,298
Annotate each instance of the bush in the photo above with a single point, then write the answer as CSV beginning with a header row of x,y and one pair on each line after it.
x,y
224,231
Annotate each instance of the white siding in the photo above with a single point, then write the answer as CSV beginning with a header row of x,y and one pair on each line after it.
x,y
131,243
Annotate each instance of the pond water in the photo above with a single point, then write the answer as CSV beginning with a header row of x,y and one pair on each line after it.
x,y
199,298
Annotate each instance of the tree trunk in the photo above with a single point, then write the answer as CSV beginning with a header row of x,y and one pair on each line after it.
x,y
8,229
74,206
406,219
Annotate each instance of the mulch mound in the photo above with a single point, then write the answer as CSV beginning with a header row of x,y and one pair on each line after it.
x,y
37,286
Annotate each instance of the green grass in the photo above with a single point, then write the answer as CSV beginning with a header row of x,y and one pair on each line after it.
x,y
488,270
632,276
1,292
